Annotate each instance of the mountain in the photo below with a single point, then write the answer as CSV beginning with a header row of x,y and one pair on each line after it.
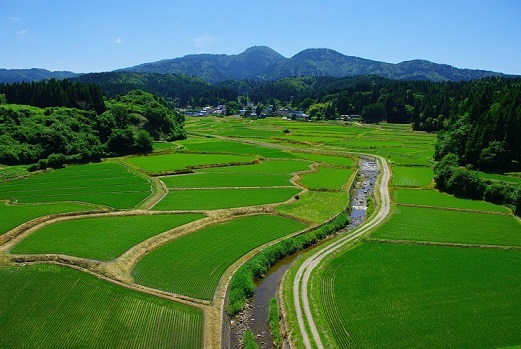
x,y
214,68
263,63
28,75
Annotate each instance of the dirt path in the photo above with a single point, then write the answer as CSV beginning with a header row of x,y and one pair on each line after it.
x,y
301,280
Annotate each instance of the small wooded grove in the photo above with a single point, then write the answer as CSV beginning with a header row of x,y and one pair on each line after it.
x,y
49,124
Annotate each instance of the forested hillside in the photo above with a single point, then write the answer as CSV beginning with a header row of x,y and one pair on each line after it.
x,y
48,124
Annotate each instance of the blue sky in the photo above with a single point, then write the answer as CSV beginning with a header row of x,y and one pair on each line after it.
x,y
94,35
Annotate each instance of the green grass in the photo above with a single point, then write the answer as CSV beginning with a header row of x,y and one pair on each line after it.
x,y
108,184
435,198
500,177
429,224
328,159
412,176
101,238
193,264
326,178
316,206
212,199
223,180
11,172
265,167
47,306
405,296
217,145
14,215
180,161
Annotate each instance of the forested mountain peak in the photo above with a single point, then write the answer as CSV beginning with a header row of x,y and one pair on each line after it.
x,y
263,63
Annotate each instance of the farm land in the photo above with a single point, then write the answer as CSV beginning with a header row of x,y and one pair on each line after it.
x,y
441,272
163,233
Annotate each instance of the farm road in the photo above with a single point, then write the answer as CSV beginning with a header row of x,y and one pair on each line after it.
x,y
301,280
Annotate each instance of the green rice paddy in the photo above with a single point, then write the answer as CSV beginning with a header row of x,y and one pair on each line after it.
x,y
15,215
221,146
101,238
181,161
412,176
265,167
447,226
327,178
212,199
108,184
224,180
410,296
316,206
47,306
435,198
193,264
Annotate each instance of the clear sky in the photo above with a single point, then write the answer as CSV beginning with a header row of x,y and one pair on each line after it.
x,y
94,35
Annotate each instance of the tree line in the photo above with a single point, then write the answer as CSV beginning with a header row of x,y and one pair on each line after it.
x,y
55,93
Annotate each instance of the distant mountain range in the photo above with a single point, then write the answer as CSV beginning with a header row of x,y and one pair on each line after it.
x,y
263,63
19,75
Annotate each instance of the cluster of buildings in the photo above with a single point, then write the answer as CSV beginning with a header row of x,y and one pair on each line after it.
x,y
208,110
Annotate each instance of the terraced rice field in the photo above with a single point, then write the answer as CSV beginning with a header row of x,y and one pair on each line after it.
x,y
108,184
166,163
221,146
410,296
266,167
327,159
412,176
435,198
14,215
306,208
101,238
72,309
193,264
436,225
226,180
213,199
327,178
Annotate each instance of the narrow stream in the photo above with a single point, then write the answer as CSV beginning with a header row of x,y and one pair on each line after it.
x,y
255,315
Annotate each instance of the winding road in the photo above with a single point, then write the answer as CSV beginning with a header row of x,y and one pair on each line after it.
x,y
301,280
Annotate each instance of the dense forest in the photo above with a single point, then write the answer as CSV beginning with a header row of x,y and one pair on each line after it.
x,y
39,127
55,93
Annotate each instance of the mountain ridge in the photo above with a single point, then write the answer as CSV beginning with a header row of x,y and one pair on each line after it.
x,y
264,63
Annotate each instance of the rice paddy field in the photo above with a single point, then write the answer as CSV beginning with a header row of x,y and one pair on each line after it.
x,y
107,184
327,178
412,176
48,306
411,296
15,215
391,291
213,199
215,145
193,264
448,226
435,198
306,208
282,167
100,238
226,180
165,163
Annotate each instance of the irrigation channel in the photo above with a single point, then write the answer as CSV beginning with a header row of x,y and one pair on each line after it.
x,y
255,315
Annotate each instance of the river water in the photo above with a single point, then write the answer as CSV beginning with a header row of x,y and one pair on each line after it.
x,y
255,315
